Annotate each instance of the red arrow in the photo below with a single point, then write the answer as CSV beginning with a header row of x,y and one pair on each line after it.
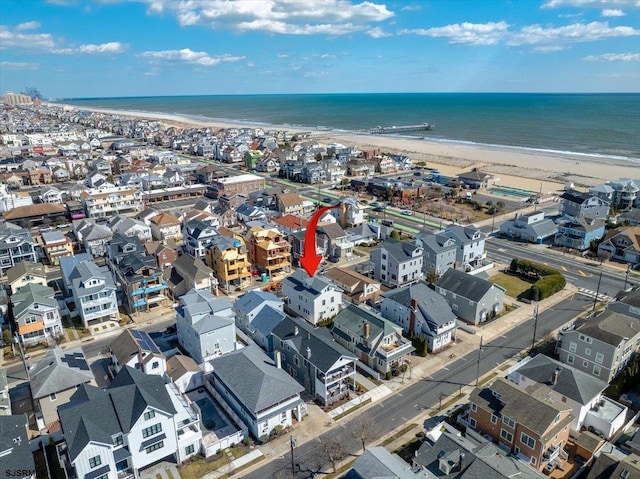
x,y
309,259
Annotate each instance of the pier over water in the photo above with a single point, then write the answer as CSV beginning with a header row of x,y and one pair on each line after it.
x,y
381,130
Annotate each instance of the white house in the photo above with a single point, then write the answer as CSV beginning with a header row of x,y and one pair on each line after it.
x,y
131,424
312,298
470,242
136,349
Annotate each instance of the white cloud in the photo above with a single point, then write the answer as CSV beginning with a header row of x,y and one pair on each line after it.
x,y
574,33
614,57
282,55
612,12
287,17
18,66
26,41
187,55
590,3
32,25
411,8
472,33
377,32
93,49
548,48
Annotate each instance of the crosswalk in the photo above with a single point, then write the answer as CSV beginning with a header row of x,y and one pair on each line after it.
x,y
593,294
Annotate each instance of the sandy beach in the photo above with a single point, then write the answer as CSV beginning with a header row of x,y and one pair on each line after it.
x,y
532,170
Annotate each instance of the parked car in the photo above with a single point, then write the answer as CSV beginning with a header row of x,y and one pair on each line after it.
x,y
407,212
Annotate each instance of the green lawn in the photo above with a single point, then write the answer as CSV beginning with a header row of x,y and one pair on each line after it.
x,y
514,285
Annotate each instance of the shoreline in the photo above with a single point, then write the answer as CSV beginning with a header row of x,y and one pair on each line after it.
x,y
532,169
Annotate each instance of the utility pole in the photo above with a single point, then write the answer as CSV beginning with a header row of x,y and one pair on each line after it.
x,y
16,340
440,406
535,327
626,276
478,363
292,443
595,298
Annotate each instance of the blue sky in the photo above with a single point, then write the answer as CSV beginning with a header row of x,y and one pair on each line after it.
x,y
101,48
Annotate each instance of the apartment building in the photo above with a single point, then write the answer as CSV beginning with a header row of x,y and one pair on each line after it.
x,y
109,201
16,245
37,314
397,263
229,260
55,246
268,251
312,298
243,184
470,243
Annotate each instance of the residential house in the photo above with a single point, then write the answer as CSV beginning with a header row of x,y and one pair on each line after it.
x,y
184,372
268,251
608,466
377,342
94,237
198,236
622,244
257,313
55,246
333,241
465,457
5,400
313,298
165,226
136,349
290,204
247,213
206,325
476,179
37,314
229,260
623,193
440,253
523,421
356,288
578,234
397,263
632,217
532,228
580,391
25,273
92,289
470,242
53,380
377,462
130,227
420,311
290,224
351,213
104,202
165,255
627,303
256,390
133,423
471,298
583,205
187,273
601,346
312,357
16,245
17,458
51,194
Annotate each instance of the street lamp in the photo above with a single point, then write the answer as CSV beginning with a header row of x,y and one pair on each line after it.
x,y
16,340
535,326
293,444
626,276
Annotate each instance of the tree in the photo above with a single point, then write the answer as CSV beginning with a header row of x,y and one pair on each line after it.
x,y
500,205
432,276
395,234
333,450
364,431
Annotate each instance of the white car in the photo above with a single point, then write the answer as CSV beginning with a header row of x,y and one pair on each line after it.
x,y
407,212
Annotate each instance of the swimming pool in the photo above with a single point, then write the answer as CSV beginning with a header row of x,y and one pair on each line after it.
x,y
211,419
509,192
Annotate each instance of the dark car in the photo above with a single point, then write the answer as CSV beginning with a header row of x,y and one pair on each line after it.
x,y
333,259
326,199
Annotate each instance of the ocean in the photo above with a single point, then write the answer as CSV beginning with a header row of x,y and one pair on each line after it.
x,y
604,125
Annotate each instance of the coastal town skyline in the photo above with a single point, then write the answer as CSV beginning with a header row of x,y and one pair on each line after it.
x,y
69,48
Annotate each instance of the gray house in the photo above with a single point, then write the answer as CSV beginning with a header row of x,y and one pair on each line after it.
x,y
377,462
397,263
311,355
206,325
439,253
257,390
533,228
470,245
601,346
419,310
472,299
14,446
583,205
257,313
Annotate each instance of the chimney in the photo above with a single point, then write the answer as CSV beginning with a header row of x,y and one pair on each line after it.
x,y
554,377
412,315
278,357
366,329
295,330
308,352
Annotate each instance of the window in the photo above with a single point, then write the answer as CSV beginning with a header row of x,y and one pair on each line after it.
x,y
94,461
624,474
151,430
585,364
596,370
154,447
149,415
572,347
117,441
296,361
533,461
506,420
155,365
472,423
474,407
527,440
587,351
52,397
494,419
599,358
189,450
506,435
570,358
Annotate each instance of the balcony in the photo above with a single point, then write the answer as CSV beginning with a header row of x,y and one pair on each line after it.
x,y
398,348
335,376
554,452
